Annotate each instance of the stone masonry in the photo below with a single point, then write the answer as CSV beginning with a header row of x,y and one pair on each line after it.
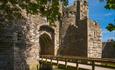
x,y
80,35
33,36
94,40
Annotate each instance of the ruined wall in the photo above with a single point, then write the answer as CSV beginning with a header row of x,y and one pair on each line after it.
x,y
94,40
74,32
74,40
80,36
25,35
32,53
6,56
12,49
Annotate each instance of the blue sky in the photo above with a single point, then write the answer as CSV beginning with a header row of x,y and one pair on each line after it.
x,y
101,15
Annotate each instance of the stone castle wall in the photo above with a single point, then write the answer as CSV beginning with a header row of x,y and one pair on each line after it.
x,y
32,52
25,37
70,38
80,36
94,40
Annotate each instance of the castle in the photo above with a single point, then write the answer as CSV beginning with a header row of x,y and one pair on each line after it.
x,y
74,35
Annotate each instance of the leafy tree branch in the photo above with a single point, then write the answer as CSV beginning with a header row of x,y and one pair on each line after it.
x,y
11,9
110,4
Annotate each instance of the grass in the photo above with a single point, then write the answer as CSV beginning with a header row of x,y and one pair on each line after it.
x,y
109,65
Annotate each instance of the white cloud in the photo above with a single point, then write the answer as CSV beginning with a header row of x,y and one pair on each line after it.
x,y
108,14
105,31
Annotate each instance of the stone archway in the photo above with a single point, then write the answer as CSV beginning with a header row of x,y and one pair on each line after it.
x,y
46,45
46,40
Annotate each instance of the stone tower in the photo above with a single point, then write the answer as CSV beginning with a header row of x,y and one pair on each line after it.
x,y
81,9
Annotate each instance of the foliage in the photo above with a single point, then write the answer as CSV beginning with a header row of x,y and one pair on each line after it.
x,y
12,9
111,27
110,4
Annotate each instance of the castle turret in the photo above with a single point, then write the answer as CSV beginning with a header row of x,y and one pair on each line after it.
x,y
81,10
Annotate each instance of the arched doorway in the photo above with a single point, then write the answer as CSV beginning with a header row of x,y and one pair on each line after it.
x,y
46,45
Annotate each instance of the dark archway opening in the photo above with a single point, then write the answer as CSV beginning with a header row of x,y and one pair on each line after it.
x,y
46,45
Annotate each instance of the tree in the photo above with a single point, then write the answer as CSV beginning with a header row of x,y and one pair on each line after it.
x,y
11,9
110,4
111,27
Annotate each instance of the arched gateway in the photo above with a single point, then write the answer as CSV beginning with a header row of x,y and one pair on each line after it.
x,y
46,40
